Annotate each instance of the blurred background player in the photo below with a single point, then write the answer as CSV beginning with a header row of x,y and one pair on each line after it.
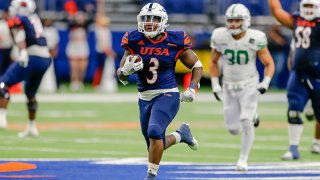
x,y
6,43
304,77
308,110
32,62
239,46
158,93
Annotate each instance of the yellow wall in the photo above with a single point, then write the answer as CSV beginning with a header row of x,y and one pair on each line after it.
x,y
204,56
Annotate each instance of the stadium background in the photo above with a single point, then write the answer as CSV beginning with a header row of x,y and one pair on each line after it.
x,y
97,135
196,17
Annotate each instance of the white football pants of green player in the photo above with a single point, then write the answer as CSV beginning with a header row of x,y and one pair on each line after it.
x,y
240,107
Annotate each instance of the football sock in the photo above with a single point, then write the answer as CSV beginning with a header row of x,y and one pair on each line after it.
x,y
294,133
32,123
247,139
177,136
153,168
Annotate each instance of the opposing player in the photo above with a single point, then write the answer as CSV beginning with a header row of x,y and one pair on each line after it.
x,y
305,74
158,93
238,46
32,62
308,110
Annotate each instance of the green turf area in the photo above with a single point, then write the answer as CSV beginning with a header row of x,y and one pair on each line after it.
x,y
105,130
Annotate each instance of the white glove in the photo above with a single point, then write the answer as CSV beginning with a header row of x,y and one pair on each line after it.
x,y
216,88
23,58
130,66
188,95
263,86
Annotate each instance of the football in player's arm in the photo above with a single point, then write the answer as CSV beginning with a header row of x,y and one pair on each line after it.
x,y
303,81
159,97
238,46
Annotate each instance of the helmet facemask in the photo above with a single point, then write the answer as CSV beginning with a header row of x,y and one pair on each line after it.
x,y
152,21
237,13
309,9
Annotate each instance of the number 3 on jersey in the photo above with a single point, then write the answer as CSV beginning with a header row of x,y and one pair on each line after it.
x,y
153,67
237,57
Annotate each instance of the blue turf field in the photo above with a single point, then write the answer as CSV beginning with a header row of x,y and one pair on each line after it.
x,y
84,170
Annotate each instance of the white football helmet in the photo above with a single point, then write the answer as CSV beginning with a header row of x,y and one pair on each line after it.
x,y
238,11
152,13
309,13
22,7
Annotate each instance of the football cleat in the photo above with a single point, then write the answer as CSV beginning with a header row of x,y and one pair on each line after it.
x,y
29,132
315,149
288,156
150,177
242,166
186,136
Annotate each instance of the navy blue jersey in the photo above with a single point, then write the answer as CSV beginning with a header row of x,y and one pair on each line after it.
x,y
32,26
159,58
306,60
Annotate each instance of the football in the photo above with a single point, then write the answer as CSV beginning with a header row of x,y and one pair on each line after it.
x,y
137,59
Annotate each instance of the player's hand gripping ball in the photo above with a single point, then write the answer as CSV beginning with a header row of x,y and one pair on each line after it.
x,y
133,63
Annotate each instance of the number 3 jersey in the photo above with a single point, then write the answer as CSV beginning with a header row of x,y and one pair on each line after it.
x,y
159,57
306,60
238,56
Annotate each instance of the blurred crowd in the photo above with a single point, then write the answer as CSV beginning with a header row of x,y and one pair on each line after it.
x,y
81,42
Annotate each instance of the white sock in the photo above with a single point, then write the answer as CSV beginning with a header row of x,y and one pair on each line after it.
x,y
32,123
3,111
177,136
153,168
316,141
247,140
294,133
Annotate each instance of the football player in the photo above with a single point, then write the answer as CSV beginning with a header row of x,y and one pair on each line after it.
x,y
32,62
159,97
308,110
303,83
238,47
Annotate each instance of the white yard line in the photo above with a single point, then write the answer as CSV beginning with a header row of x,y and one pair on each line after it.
x,y
127,97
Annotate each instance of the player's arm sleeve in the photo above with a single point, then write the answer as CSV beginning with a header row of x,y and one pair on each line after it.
x,y
14,22
187,44
261,41
125,43
213,42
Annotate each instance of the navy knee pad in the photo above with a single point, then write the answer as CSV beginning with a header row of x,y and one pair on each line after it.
x,y
155,132
294,117
32,105
4,93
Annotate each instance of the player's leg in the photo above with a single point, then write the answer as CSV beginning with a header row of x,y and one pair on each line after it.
x,y
37,68
315,147
297,95
315,97
13,75
163,110
231,108
308,111
248,100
